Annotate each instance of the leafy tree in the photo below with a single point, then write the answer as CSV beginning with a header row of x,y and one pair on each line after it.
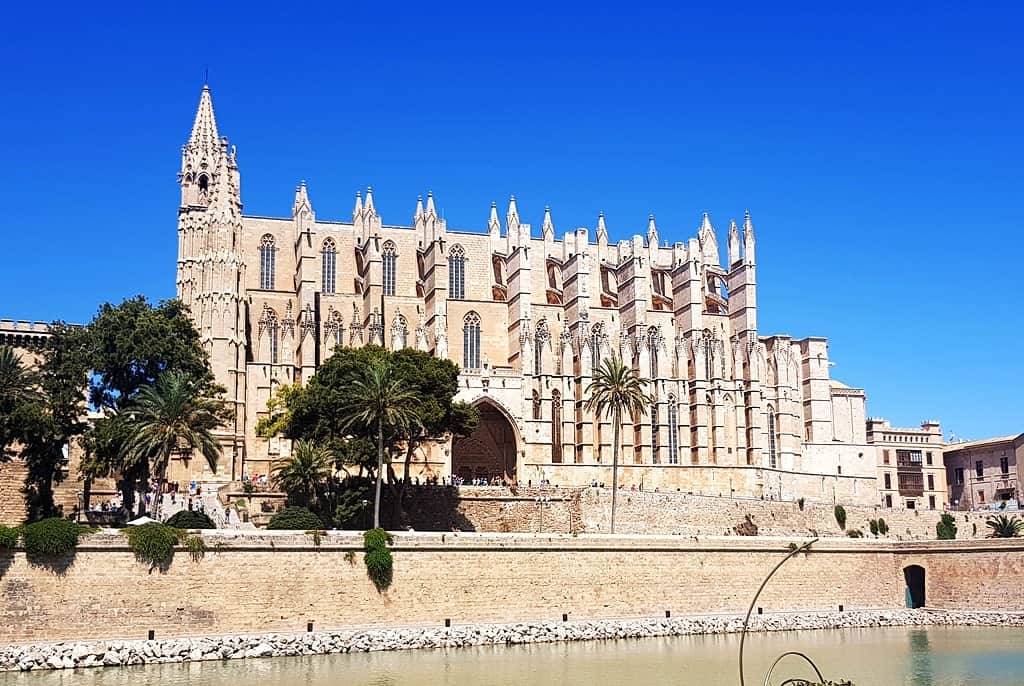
x,y
133,343
18,386
41,410
62,378
945,530
127,346
1004,527
318,412
306,472
616,390
379,400
173,416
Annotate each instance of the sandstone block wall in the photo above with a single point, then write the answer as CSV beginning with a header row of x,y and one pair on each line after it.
x,y
588,510
281,582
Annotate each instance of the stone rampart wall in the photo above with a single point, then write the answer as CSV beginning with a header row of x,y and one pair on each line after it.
x,y
588,510
279,582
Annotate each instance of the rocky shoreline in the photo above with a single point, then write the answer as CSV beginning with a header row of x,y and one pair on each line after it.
x,y
74,655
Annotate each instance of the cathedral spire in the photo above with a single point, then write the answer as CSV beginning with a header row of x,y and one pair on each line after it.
x,y
493,225
748,239
301,200
602,229
547,228
370,209
652,231
708,241
204,128
419,209
431,210
512,219
357,211
734,243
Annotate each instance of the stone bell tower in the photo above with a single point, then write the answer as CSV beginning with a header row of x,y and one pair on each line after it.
x,y
211,273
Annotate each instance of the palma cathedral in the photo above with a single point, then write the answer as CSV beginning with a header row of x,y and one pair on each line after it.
x,y
527,315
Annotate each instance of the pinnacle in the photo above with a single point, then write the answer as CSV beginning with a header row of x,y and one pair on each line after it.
x,y
204,128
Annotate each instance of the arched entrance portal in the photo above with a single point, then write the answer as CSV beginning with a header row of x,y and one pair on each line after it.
x,y
914,577
490,451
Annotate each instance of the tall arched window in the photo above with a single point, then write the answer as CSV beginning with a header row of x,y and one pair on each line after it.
x,y
390,259
709,361
655,448
330,264
541,339
536,405
268,248
457,273
471,341
673,431
556,426
273,334
652,346
596,334
773,455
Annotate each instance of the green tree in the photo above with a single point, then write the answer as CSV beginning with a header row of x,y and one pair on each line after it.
x,y
305,473
173,416
317,412
945,530
63,375
127,346
616,391
18,388
41,410
1004,527
379,400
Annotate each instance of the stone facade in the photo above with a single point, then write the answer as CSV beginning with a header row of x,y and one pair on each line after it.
x,y
985,473
527,318
911,471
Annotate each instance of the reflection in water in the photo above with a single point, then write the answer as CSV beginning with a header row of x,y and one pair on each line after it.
x,y
936,656
921,673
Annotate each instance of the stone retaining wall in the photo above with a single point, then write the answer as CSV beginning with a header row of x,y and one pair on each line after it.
x,y
124,653
279,581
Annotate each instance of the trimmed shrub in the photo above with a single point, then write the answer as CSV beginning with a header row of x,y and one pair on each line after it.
x,y
295,518
190,519
945,530
379,567
854,533
883,528
153,543
9,537
873,525
840,513
51,537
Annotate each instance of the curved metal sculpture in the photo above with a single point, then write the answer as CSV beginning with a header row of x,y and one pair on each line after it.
x,y
750,610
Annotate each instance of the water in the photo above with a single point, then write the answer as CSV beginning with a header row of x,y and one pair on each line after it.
x,y
935,656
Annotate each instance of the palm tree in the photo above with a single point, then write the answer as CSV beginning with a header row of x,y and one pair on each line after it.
x,y
306,471
379,399
17,384
1004,527
172,416
616,390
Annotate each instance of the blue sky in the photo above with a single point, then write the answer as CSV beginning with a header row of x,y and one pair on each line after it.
x,y
878,148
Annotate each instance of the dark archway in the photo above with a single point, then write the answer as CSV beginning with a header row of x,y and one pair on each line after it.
x,y
914,578
490,451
